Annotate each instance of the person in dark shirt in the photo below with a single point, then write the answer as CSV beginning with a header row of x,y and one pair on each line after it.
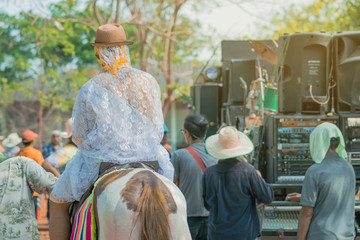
x,y
231,188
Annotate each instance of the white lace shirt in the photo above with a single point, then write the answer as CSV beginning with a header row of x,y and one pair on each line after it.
x,y
117,118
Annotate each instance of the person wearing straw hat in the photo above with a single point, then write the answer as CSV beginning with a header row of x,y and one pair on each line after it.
x,y
232,187
11,145
117,118
328,192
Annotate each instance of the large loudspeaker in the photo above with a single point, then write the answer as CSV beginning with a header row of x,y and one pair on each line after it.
x,y
233,91
347,71
304,60
239,60
206,99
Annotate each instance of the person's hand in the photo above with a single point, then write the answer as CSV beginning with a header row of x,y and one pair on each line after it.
x,y
293,197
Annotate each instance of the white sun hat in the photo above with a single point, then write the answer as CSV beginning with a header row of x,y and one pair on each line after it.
x,y
12,140
229,143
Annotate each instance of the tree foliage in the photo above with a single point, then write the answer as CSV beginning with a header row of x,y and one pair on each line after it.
x,y
322,15
49,58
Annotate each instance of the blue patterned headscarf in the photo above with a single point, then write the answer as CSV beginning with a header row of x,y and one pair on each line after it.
x,y
320,141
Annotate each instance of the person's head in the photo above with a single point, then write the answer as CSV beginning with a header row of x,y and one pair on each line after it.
x,y
28,137
111,46
195,128
55,137
325,138
228,143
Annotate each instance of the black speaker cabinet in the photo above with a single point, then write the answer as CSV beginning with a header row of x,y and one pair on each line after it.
x,y
207,101
233,90
347,71
303,78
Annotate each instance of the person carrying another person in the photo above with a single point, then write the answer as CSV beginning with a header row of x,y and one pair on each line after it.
x,y
54,145
232,187
328,192
189,164
11,145
117,119
20,177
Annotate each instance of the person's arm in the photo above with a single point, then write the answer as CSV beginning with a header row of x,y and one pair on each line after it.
x,y
49,168
59,223
38,179
261,190
305,217
206,205
293,197
83,117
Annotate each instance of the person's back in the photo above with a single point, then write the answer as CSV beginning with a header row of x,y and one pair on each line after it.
x,y
232,188
333,216
190,176
189,164
328,191
19,178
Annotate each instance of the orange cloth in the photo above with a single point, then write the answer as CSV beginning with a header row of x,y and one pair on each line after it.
x,y
33,154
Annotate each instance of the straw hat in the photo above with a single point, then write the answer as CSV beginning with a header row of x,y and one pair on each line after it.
x,y
12,140
110,35
229,143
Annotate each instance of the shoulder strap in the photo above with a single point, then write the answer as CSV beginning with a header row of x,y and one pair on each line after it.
x,y
197,158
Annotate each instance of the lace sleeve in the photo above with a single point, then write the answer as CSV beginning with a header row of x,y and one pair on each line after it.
x,y
83,117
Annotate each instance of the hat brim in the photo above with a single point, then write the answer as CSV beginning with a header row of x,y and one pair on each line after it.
x,y
95,44
215,150
65,135
8,144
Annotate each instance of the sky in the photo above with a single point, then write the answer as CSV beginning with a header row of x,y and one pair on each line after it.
x,y
236,19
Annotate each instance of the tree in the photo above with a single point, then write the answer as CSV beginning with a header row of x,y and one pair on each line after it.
x,y
50,58
322,15
44,52
163,34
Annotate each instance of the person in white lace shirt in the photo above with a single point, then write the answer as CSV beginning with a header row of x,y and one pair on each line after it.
x,y
117,118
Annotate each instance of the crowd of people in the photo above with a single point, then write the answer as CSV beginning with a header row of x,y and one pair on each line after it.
x,y
117,119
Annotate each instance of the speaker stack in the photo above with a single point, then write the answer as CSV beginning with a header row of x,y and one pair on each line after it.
x,y
303,77
206,100
347,71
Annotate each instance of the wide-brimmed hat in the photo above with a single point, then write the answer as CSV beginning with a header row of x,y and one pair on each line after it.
x,y
12,140
28,136
110,35
229,143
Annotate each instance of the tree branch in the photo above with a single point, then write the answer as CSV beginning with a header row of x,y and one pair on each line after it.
x,y
117,13
97,14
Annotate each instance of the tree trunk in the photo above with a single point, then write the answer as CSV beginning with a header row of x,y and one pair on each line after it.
x,y
41,123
